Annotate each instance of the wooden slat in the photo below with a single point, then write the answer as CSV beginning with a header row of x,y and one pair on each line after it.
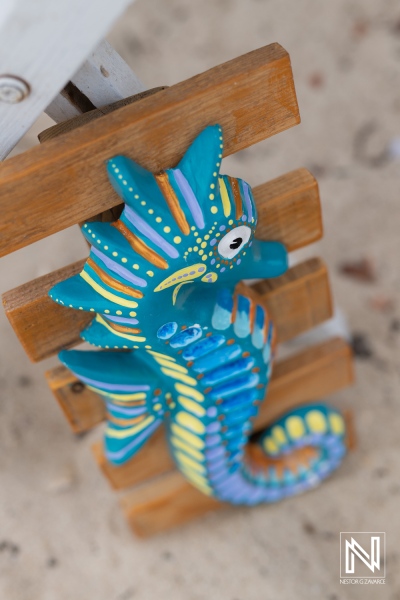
x,y
251,97
308,376
288,207
86,117
84,409
44,327
45,42
103,78
298,300
170,500
165,503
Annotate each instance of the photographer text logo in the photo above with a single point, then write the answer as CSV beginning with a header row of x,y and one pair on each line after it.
x,y
362,557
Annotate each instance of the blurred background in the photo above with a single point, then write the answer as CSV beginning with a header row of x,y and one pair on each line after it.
x,y
62,534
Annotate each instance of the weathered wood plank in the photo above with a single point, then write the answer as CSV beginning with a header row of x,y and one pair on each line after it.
x,y
45,42
164,503
82,408
289,206
44,327
310,375
252,97
86,117
103,78
299,300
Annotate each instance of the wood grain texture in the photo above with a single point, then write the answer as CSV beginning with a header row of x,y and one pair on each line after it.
x,y
44,327
298,300
81,407
103,78
289,206
251,97
45,42
91,115
165,503
310,375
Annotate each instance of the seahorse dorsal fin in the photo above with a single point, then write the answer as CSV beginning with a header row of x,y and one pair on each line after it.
x,y
132,182
201,162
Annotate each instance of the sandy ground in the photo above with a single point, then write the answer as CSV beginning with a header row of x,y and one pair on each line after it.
x,y
62,536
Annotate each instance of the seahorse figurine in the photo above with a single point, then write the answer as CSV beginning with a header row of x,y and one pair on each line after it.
x,y
195,345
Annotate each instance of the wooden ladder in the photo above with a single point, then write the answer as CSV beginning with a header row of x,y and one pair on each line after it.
x,y
252,98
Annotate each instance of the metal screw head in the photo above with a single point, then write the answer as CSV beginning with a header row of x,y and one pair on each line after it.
x,y
13,89
77,387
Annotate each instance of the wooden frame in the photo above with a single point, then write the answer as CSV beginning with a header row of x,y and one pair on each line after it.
x,y
233,95
47,44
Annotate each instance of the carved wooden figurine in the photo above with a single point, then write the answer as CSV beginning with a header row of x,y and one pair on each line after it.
x,y
183,341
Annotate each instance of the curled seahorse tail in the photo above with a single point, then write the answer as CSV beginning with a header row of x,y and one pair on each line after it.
x,y
299,450
293,455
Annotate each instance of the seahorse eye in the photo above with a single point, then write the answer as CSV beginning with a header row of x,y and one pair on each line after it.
x,y
236,243
233,241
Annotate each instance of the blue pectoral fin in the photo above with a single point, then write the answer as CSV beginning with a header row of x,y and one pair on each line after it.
x,y
270,259
121,443
109,371
130,391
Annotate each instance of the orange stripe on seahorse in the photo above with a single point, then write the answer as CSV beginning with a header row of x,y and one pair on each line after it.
x,y
173,202
234,308
237,197
121,328
114,283
252,314
129,402
140,247
125,422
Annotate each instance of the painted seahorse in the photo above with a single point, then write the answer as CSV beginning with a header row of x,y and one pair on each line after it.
x,y
163,282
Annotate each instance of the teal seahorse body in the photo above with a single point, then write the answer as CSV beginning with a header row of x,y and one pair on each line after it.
x,y
196,345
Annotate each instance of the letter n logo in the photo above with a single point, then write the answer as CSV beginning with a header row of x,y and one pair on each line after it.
x,y
362,554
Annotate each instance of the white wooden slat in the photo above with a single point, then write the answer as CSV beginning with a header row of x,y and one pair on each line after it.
x,y
104,78
62,108
44,42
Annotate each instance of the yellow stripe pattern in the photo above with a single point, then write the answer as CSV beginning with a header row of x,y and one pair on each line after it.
x,y
124,433
159,355
108,295
188,437
178,443
191,406
191,422
185,390
226,203
179,376
126,336
120,397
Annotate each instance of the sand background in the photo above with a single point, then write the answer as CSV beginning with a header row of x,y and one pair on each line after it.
x,y
62,536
